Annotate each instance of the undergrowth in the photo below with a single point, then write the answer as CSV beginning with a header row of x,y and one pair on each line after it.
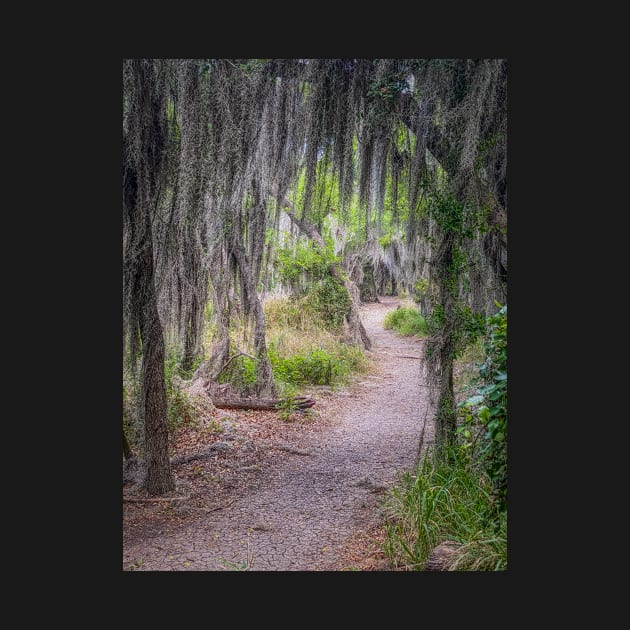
x,y
303,350
447,499
406,321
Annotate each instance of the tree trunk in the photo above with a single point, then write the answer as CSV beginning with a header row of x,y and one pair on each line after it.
x,y
368,290
159,477
141,193
190,346
265,384
355,331
446,419
127,452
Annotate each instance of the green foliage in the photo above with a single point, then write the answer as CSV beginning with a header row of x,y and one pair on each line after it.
x,y
240,373
488,409
485,148
181,409
447,499
468,327
324,297
406,321
317,366
287,408
135,565
302,348
329,299
435,320
305,258
447,211
244,565
420,289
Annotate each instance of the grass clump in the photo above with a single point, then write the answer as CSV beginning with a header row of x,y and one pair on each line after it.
x,y
447,499
406,321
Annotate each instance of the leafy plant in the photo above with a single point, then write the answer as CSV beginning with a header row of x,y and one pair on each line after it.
x,y
317,366
305,258
287,407
487,409
407,321
135,565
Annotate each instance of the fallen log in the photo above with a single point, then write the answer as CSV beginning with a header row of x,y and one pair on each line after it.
x,y
153,499
273,404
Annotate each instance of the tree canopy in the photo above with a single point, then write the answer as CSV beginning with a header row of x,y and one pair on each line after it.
x,y
408,155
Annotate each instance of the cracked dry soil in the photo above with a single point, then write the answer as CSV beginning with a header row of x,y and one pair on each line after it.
x,y
294,496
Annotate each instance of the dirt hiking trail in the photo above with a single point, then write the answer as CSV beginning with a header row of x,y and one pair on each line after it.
x,y
314,500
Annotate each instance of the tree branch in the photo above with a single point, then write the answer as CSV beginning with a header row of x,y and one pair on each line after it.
x,y
238,354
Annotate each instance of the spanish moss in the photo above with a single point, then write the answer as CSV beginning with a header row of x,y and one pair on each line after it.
x,y
219,153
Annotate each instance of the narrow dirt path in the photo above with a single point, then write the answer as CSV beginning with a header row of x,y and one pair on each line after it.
x,y
307,507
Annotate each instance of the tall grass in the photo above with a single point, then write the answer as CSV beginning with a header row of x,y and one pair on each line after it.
x,y
406,321
303,350
447,499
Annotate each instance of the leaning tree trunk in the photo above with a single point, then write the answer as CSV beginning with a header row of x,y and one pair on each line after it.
x,y
355,331
221,348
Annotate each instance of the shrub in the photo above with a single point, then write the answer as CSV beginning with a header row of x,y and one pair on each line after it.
x,y
317,366
406,321
329,300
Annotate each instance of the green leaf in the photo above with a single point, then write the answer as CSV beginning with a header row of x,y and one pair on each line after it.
x,y
495,395
473,400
